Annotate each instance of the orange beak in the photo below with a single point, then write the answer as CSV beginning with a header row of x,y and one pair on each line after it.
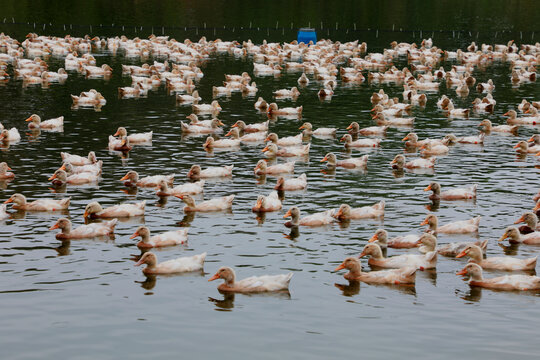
x,y
301,127
423,147
267,138
216,276
86,214
288,214
52,177
537,154
530,140
8,201
235,125
461,254
349,127
55,226
265,149
220,123
528,111
373,238
516,146
181,197
503,237
393,161
425,222
405,138
362,255
521,219
537,207
428,188
342,139
324,159
135,234
462,272
339,213
341,266
228,133
124,178
505,114
63,167
116,134
29,119
9,168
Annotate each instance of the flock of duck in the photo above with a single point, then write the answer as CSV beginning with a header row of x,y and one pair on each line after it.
x,y
322,62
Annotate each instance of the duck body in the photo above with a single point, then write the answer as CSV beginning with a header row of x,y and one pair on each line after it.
x,y
507,282
399,242
406,275
150,181
178,265
218,171
261,168
253,284
286,141
427,261
216,204
11,135
79,160
51,124
168,238
345,212
268,203
299,183
452,194
184,189
122,210
457,227
19,203
85,231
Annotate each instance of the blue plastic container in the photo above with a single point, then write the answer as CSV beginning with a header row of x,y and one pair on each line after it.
x,y
306,35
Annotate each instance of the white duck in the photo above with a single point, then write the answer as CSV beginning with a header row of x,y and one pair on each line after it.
x,y
168,238
178,265
299,183
83,231
253,284
185,189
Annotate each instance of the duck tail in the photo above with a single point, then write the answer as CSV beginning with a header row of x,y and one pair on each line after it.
x,y
142,204
65,202
380,205
111,224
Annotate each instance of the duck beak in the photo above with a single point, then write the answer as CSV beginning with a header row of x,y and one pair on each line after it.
x,y
516,146
537,154
425,222
528,111
288,214
462,272
520,220
235,125
29,119
405,138
63,167
393,161
86,214
265,149
124,178
221,122
537,207
531,139
301,127
362,255
55,226
52,177
349,127
461,254
267,139
342,139
423,147
324,159
116,134
135,234
214,277
428,188
503,237
8,201
505,114
138,263
339,213
373,238
341,266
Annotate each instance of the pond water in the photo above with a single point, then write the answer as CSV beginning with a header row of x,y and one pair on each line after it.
x,y
86,299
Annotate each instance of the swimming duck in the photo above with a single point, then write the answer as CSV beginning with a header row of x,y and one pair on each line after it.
x,y
253,284
531,221
535,139
398,242
286,141
272,150
480,106
453,194
453,248
399,163
354,128
60,178
428,149
422,262
134,138
478,139
94,210
217,171
488,127
4,173
349,143
412,140
293,93
380,119
19,203
197,129
51,124
308,130
121,144
79,160
251,128
168,238
11,135
299,183
267,203
216,204
513,119
132,179
317,219
303,80
83,231
274,110
506,282
458,227
211,143
350,163
184,189
262,168
261,105
249,138
345,212
514,237
405,275
194,98
178,265
523,147
212,108
496,263
72,170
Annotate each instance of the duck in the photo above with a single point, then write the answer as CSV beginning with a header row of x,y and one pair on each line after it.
x,y
251,128
294,184
93,71
196,173
121,144
412,140
93,101
197,129
523,147
79,160
132,179
261,105
194,188
128,92
272,150
262,168
249,138
327,92
267,203
380,119
308,130
354,128
535,139
274,110
51,124
531,221
253,284
350,163
458,227
4,171
11,135
94,210
134,138
317,219
514,237
506,263
488,127
399,163
453,194
286,141
422,262
454,248
72,170
194,98
216,204
211,108
303,80
475,139
349,143
513,119
249,90
194,120
20,203
178,265
429,149
405,275
168,238
345,212
286,93
60,178
398,242
83,231
506,282
481,106
211,143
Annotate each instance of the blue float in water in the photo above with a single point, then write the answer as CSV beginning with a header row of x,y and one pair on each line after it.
x,y
306,35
